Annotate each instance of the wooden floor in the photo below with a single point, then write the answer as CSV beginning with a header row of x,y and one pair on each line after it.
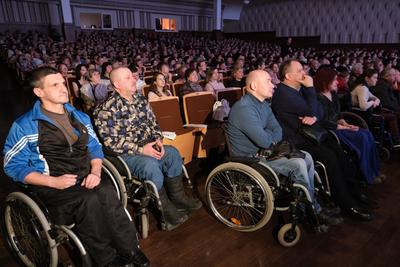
x,y
203,241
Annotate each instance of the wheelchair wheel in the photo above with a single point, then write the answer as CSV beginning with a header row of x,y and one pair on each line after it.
x,y
117,181
384,153
144,224
28,232
239,196
287,236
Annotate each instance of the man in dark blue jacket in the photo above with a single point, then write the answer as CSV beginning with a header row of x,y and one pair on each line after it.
x,y
54,150
295,104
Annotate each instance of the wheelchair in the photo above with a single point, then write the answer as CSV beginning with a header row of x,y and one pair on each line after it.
x,y
137,192
33,238
243,193
375,122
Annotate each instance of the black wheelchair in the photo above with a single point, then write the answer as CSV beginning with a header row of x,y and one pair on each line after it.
x,y
243,193
33,238
140,193
375,122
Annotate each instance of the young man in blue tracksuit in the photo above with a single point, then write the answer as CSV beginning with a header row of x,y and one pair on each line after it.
x,y
54,149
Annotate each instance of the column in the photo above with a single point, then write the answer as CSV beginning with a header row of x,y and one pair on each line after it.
x,y
218,35
68,25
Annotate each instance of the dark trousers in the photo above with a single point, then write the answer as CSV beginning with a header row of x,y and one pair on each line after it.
x,y
100,219
344,186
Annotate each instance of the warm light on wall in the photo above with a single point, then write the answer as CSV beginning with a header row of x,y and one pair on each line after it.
x,y
165,24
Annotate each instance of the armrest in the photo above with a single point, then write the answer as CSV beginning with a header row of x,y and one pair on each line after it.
x,y
193,125
244,160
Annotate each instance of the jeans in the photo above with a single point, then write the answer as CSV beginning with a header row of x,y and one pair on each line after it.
x,y
149,168
301,171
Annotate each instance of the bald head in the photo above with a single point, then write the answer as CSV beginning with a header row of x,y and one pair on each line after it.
x,y
259,84
123,82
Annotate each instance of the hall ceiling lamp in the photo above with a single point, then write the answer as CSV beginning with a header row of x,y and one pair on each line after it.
x,y
246,2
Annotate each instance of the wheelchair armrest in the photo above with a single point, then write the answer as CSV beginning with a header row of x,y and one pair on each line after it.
x,y
357,119
387,110
244,160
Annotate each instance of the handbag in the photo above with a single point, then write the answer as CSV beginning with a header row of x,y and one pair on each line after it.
x,y
279,150
314,133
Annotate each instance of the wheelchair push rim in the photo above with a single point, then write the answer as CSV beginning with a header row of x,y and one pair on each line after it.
x,y
27,232
239,197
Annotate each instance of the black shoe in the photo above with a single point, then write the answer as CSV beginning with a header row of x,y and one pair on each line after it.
x,y
358,214
138,259
135,258
329,220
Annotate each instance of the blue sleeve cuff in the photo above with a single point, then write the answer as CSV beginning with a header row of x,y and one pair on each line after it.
x,y
96,154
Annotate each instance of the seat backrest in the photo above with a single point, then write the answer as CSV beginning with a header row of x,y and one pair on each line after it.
x,y
146,90
148,79
176,87
231,94
198,107
69,80
202,83
166,109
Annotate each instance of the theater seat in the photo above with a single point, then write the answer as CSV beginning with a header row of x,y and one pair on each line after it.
x,y
167,112
198,109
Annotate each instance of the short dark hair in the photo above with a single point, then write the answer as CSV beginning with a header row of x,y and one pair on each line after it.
x,y
133,68
36,77
284,68
188,72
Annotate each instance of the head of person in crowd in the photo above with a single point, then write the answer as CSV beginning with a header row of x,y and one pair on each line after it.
x,y
80,71
357,69
163,68
191,76
314,64
158,82
63,69
274,67
378,65
212,75
259,64
325,80
389,74
91,66
94,76
291,73
106,69
202,66
259,84
370,77
123,82
237,73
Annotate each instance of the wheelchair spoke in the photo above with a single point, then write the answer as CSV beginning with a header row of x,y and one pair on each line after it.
x,y
29,237
237,198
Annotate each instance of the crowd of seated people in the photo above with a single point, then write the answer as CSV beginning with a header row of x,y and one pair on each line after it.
x,y
305,82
